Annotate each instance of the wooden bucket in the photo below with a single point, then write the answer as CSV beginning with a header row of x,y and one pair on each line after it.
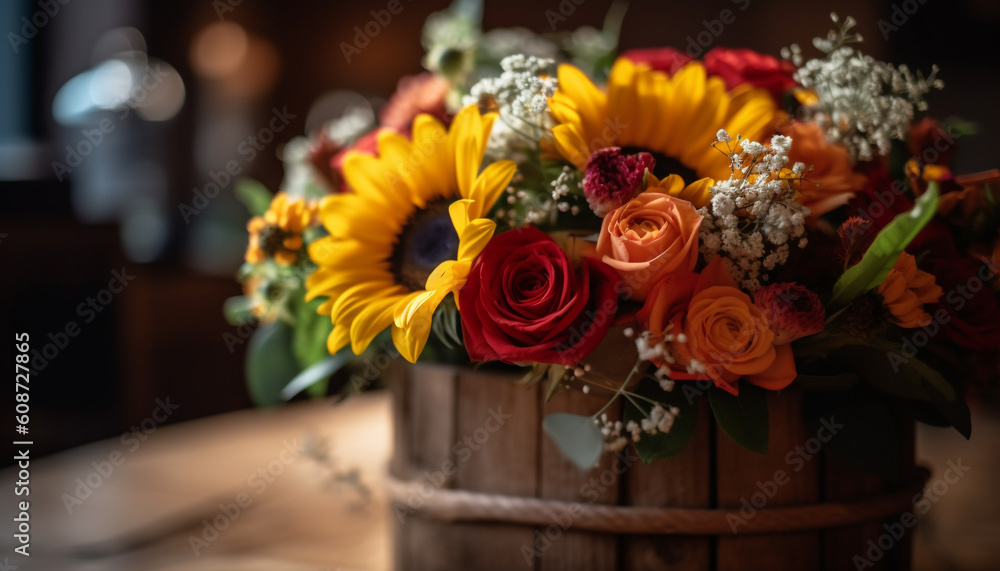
x,y
476,484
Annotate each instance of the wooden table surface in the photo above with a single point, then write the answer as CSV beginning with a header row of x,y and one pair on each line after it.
x,y
144,514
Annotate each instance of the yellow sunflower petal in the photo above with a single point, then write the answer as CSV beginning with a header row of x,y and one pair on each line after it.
x,y
371,321
410,334
474,238
490,185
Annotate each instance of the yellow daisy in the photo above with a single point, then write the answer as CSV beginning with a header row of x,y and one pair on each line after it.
x,y
278,234
673,118
408,233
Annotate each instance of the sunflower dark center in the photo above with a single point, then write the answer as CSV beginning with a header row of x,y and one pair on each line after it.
x,y
665,165
428,239
271,237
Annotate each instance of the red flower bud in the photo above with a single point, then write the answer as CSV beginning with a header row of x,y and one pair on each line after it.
x,y
792,311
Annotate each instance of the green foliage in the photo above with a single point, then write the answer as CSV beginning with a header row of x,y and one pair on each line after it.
x,y
663,444
270,364
238,310
884,251
743,418
577,437
318,374
254,195
868,435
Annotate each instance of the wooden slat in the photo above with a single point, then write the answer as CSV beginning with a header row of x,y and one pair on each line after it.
x,y
739,473
680,481
560,479
503,461
427,436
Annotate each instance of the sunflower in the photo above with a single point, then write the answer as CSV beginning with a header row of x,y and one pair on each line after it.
x,y
278,233
676,118
407,234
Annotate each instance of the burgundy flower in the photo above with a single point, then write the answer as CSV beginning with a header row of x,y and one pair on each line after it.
x,y
667,60
524,302
611,179
792,310
739,66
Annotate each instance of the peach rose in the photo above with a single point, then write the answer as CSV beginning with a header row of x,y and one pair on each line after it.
x,y
831,169
715,331
649,237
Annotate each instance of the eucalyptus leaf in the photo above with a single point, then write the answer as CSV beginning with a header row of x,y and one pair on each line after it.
x,y
577,437
254,195
317,373
270,364
884,251
652,447
743,418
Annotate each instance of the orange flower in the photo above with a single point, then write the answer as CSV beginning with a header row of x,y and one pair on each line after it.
x,y
715,330
905,291
649,237
831,169
278,233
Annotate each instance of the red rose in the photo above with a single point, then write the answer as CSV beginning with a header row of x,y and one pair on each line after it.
x,y
524,302
740,66
667,60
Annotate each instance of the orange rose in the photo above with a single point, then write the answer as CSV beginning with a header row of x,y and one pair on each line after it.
x,y
831,169
649,237
715,331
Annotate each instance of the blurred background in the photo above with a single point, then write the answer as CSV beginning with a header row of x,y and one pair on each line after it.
x,y
124,125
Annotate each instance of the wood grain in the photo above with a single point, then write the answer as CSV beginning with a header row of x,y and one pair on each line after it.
x,y
560,479
680,481
741,474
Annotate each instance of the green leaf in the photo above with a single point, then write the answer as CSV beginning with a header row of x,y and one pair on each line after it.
x,y
317,373
270,363
556,373
743,418
663,444
839,382
238,310
311,330
577,437
867,437
254,195
884,251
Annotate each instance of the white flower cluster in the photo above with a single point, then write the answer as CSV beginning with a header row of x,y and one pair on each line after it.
x,y
863,103
520,95
660,420
754,216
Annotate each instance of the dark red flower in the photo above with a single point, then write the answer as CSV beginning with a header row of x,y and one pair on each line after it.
x,y
739,66
667,60
930,143
611,179
793,311
524,302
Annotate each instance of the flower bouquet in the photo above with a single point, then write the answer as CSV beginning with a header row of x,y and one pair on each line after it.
x,y
643,230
